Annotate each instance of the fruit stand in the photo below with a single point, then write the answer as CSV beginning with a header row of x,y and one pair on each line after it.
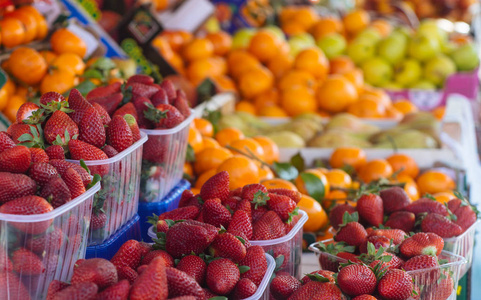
x,y
240,149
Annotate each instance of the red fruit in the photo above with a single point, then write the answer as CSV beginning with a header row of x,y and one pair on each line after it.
x,y
181,103
356,280
110,151
395,285
11,286
5,141
160,98
54,287
15,160
165,116
78,104
51,96
57,125
28,205
466,216
396,235
56,192
348,257
394,199
141,269
255,259
5,262
185,198
441,290
240,224
42,173
341,250
422,244
162,226
370,209
81,150
228,246
214,213
52,239
337,212
316,290
216,187
98,220
294,195
249,191
282,205
55,152
140,78
104,91
323,273
74,183
283,286
454,204
118,291
126,109
109,103
193,266
25,111
245,205
152,283
26,262
143,90
142,104
169,88
97,270
145,248
222,276
268,227
127,273
17,130
91,128
364,297
62,166
424,262
425,205
189,236
119,134
352,233
244,288
168,260
128,255
104,115
181,284
38,155
134,127
440,225
15,185
403,220
377,241
182,213
231,203
83,290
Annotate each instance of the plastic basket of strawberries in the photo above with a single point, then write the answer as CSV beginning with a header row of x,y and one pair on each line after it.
x,y
45,210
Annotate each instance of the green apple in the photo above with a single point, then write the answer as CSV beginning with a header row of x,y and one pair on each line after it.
x,y
408,72
242,38
276,31
377,71
360,51
432,29
423,47
438,68
448,48
300,42
423,84
370,35
403,30
393,48
465,57
333,45
390,85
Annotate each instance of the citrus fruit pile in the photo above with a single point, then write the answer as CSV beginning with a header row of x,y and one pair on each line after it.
x,y
22,26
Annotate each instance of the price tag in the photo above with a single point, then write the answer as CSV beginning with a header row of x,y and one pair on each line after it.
x,y
49,8
425,100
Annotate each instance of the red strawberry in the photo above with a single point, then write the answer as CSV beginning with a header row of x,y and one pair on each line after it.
x,y
58,125
294,195
370,209
78,104
12,286
403,220
25,111
78,291
395,284
145,248
134,127
51,96
283,286
62,166
244,288
169,88
245,205
396,235
5,262
143,90
140,78
350,231
425,205
168,260
38,155
119,134
377,241
91,127
249,191
164,116
454,204
98,220
55,152
268,227
334,249
181,103
104,115
256,261
51,239
152,283
118,291
349,257
424,262
141,269
109,103
55,287
323,273
104,91
97,270
160,98
5,141
282,205
15,160
440,225
356,280
193,266
27,263
17,130
15,185
129,254
56,191
42,173
394,199
126,109
214,213
142,104
181,284
318,290
182,213
231,203
189,236
240,223
364,297
184,298
28,205
185,198
465,215
74,183
222,276
110,151
208,294
422,244
162,226
337,212
440,290
127,273
228,246
81,150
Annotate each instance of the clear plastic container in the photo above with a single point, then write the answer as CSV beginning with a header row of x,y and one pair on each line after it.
x,y
50,244
463,245
163,160
262,292
118,198
290,246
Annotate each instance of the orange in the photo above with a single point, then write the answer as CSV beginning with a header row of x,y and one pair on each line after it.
x,y
200,69
278,183
59,81
28,21
367,108
438,112
405,107
248,146
209,142
264,45
176,39
301,185
348,156
336,94
393,113
295,78
287,13
195,191
376,94
188,169
383,26
195,140
323,114
268,98
228,135
163,46
9,87
317,215
12,32
280,64
210,158
49,56
410,186
69,62
255,82
298,100
204,177
221,41
314,61
13,104
246,106
444,197
433,181
240,61
374,170
356,77
271,150
242,171
265,173
42,26
197,49
341,65
204,127
355,21
292,28
224,83
403,164
22,91
272,111
305,17
338,178
326,26
65,41
4,97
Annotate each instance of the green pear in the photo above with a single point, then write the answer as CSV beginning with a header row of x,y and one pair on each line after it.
x,y
431,28
332,45
377,71
338,138
287,139
465,57
351,123
242,38
408,139
438,69
423,47
422,84
300,42
360,51
306,129
391,85
393,48
408,72
370,35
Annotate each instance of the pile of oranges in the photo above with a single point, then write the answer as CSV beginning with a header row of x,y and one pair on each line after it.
x,y
22,26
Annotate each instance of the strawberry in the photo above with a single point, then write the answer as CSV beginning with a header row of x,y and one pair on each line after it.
x,y
109,151
440,225
15,131
118,291
12,287
97,270
126,109
424,262
42,173
51,239
240,223
356,280
395,284
169,88
454,204
81,150
51,97
143,90
164,116
181,103
185,198
74,183
440,290
193,266
78,291
256,261
184,298
245,205
78,104
325,261
129,254
160,98
349,257
189,236
15,160
141,268
168,260
5,141
268,227
403,220
316,290
283,286
208,293
15,185
38,155
54,287
394,199
134,127
364,297
324,273
5,262
370,209
162,226
222,276
216,187
98,220
249,191
377,241
142,104
104,91
214,213
28,205
283,206
59,124
337,212
119,134
181,284
104,115
26,262
56,192
182,213
127,273
26,110
109,103
426,205
466,215
244,288
350,231
91,128
55,152
228,246
294,195
62,166
152,283
396,235
422,244
231,203
140,78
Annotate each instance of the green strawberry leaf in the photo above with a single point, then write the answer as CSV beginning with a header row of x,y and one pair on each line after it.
x,y
243,269
190,155
314,186
92,74
293,213
285,171
218,298
94,181
348,218
429,196
84,165
153,220
260,199
241,239
317,277
298,162
153,114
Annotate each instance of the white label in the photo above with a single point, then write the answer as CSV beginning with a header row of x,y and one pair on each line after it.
x,y
49,8
188,16
90,40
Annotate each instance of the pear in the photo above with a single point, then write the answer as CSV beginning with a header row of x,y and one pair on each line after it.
x,y
306,129
408,139
351,123
338,138
287,139
310,116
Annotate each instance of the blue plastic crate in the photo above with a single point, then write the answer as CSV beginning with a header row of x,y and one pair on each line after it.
x,y
130,231
170,202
